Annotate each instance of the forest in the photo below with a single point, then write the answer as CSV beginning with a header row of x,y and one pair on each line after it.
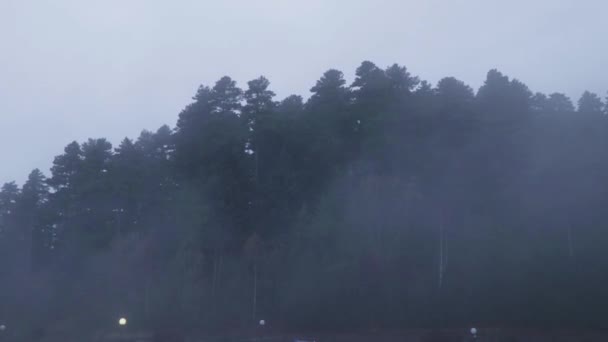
x,y
387,203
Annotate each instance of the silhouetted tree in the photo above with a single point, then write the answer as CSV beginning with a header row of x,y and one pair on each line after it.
x,y
590,104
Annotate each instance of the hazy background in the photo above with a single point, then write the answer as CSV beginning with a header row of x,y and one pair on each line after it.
x,y
72,69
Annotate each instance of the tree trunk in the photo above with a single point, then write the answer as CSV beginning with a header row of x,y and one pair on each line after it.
x,y
446,251
255,290
147,299
440,255
443,252
214,275
220,262
570,245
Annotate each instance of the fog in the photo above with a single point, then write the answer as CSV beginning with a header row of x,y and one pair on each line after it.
x,y
71,69
443,168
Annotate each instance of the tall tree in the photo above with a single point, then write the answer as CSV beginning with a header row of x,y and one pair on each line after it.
x,y
327,127
560,103
34,219
266,145
9,195
211,153
590,104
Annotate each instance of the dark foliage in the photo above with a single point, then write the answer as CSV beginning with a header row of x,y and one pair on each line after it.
x,y
388,203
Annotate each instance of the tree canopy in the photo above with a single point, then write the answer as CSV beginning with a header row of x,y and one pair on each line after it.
x,y
385,203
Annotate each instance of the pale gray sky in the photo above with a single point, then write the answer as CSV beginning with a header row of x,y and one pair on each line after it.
x,y
72,69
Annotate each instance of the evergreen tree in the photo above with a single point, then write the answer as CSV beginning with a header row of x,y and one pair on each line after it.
x,y
590,104
34,221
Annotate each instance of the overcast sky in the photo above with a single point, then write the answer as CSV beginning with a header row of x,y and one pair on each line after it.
x,y
73,69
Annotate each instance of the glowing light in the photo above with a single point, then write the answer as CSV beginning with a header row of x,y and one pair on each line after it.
x,y
122,321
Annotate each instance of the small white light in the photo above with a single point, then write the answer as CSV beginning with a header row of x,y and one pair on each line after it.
x,y
122,321
473,331
2,327
262,322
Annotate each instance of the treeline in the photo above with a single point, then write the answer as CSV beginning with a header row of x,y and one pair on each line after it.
x,y
387,203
